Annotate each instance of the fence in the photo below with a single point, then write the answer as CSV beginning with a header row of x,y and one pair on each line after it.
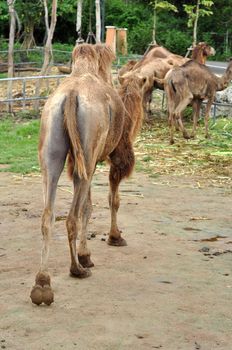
x,y
23,97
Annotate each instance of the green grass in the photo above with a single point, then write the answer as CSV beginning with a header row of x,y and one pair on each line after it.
x,y
18,144
154,155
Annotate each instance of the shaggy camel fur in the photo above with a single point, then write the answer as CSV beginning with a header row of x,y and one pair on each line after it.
x,y
191,84
87,119
127,67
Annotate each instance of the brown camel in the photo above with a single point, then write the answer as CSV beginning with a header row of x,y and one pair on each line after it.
x,y
87,120
191,84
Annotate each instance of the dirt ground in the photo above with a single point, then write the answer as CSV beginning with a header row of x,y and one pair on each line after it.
x,y
169,289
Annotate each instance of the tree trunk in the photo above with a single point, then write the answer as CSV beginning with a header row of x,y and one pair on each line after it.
x,y
29,40
79,17
47,48
154,28
195,24
11,51
46,20
98,21
102,2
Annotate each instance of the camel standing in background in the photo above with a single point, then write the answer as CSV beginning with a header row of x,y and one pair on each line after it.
x,y
87,120
191,84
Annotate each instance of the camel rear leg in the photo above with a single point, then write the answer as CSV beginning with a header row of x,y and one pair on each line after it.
x,y
80,211
207,112
52,162
196,112
178,113
122,163
83,251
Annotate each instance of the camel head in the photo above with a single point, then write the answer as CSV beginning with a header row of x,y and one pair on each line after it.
x,y
140,83
206,49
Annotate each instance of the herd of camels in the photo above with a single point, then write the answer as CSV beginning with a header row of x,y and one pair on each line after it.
x,y
87,120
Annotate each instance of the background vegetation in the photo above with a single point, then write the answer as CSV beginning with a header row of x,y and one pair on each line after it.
x,y
136,15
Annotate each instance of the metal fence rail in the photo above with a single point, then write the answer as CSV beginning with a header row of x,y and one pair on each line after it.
x,y
24,96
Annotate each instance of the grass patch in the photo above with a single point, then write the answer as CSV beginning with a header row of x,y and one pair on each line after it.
x,y
18,144
154,156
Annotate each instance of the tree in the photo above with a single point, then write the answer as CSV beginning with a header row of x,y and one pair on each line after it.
x,y
11,50
98,20
30,15
79,18
160,6
48,45
200,9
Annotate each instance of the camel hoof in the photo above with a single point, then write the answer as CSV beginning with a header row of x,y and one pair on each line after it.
x,y
37,295
48,295
117,242
41,295
85,260
80,273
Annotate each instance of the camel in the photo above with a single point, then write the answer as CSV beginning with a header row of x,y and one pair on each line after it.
x,y
87,121
191,84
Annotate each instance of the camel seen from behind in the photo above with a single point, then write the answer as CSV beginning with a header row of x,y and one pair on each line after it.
x,y
87,121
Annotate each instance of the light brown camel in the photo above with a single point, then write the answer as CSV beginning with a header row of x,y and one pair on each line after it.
x,y
191,84
87,120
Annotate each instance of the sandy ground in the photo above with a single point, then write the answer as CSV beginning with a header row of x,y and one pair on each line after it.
x,y
170,288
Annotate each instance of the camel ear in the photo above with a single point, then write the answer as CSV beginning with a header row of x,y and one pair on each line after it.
x,y
142,81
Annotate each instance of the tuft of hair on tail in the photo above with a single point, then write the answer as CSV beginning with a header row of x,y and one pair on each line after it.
x,y
76,159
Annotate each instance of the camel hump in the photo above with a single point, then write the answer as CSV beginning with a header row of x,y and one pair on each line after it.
x,y
76,159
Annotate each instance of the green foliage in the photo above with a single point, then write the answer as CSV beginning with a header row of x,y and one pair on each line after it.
x,y
123,15
29,11
177,41
204,10
137,16
3,11
164,5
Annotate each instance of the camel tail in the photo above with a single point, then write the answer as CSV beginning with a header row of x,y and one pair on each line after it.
x,y
76,159
173,86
